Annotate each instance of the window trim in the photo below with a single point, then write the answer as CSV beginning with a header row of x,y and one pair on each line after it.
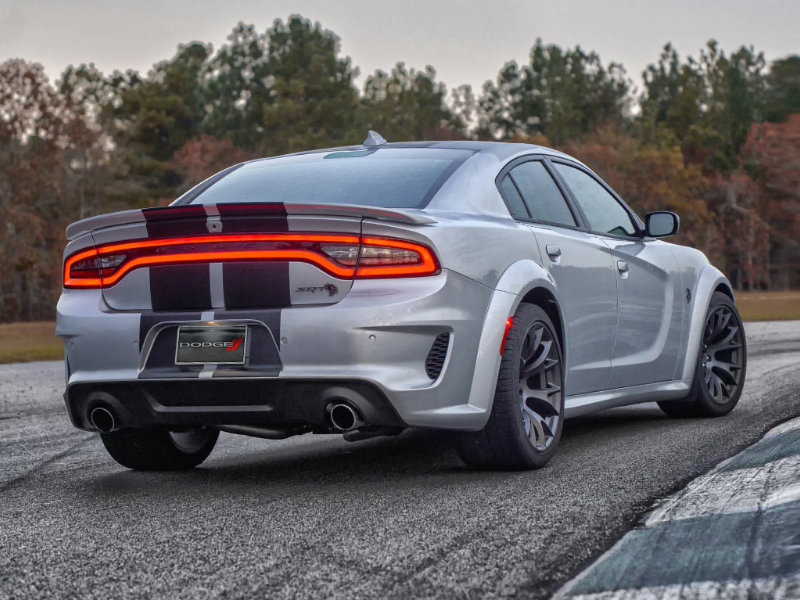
x,y
637,223
568,199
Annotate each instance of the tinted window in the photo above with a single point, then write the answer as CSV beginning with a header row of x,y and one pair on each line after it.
x,y
388,177
603,212
541,194
515,204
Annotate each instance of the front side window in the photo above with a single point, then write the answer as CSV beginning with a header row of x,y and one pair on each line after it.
x,y
544,200
603,212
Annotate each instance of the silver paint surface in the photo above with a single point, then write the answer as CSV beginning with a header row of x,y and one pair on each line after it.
x,y
629,336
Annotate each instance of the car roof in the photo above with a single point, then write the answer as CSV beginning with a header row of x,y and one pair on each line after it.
x,y
501,150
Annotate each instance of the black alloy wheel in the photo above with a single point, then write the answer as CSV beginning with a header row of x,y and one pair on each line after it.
x,y
721,365
524,426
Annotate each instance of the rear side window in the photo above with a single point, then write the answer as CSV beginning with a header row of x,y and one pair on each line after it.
x,y
544,200
387,177
603,212
516,206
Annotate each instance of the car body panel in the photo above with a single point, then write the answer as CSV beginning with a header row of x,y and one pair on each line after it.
x,y
587,293
626,339
650,315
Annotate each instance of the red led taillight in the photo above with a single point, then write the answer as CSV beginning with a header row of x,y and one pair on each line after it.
x,y
344,256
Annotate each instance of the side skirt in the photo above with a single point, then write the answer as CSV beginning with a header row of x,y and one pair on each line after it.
x,y
583,404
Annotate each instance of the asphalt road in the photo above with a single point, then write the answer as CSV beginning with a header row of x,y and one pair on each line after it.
x,y
317,516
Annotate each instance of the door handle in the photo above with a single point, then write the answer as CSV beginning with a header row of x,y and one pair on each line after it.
x,y
622,266
553,251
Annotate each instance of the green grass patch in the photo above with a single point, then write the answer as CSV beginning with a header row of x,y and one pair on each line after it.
x,y
25,342
769,306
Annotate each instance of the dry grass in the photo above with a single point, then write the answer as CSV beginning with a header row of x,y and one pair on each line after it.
x,y
24,342
769,306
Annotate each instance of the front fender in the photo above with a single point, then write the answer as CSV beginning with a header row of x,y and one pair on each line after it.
x,y
709,279
516,281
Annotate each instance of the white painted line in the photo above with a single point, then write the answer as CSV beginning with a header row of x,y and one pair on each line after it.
x,y
741,490
746,589
784,428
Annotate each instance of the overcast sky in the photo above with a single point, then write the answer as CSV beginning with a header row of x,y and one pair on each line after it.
x,y
467,41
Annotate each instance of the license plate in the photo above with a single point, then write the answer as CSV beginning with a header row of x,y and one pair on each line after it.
x,y
211,344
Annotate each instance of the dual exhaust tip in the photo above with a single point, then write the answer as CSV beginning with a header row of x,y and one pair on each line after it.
x,y
341,415
103,420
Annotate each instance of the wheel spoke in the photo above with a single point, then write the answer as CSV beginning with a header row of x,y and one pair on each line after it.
x,y
721,354
540,356
540,385
727,339
539,431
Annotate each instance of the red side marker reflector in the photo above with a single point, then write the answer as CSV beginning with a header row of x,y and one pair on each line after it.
x,y
505,334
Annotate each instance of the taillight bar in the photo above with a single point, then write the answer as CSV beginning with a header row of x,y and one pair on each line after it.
x,y
343,256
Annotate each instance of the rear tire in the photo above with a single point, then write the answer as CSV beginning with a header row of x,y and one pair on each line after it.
x,y
160,449
524,427
721,365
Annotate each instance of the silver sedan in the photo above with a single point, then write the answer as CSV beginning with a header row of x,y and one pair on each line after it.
x,y
490,289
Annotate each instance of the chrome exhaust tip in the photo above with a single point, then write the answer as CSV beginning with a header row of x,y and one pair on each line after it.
x,y
344,417
102,419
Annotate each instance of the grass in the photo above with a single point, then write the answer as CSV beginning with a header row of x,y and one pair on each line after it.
x,y
25,342
769,306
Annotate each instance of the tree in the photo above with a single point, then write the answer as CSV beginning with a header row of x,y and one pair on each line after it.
x,y
706,105
312,100
772,155
405,104
561,94
158,115
237,86
200,158
463,108
31,119
783,89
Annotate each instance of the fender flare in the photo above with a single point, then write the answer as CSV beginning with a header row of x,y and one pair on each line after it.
x,y
707,282
514,284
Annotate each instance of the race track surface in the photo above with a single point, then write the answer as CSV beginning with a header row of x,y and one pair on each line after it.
x,y
317,516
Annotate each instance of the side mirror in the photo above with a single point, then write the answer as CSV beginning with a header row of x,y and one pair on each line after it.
x,y
661,223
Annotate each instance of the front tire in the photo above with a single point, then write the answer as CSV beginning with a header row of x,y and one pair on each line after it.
x,y
721,365
160,449
524,427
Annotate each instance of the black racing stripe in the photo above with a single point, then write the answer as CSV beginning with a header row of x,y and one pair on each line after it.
x,y
175,221
256,284
161,359
270,318
264,356
148,320
180,287
253,218
162,354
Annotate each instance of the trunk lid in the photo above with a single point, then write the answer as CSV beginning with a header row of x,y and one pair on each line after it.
x,y
229,284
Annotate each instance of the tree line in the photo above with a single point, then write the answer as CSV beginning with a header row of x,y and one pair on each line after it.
x,y
715,137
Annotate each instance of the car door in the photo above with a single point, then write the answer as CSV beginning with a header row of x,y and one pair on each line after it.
x,y
580,265
648,332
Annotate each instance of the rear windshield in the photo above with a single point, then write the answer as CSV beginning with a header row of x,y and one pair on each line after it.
x,y
386,177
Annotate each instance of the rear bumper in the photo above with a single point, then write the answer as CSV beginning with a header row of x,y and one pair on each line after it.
x,y
266,402
371,348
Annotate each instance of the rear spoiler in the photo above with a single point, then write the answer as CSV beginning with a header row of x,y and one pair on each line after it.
x,y
140,215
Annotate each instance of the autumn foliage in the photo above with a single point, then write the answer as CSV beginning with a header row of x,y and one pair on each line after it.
x,y
715,137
